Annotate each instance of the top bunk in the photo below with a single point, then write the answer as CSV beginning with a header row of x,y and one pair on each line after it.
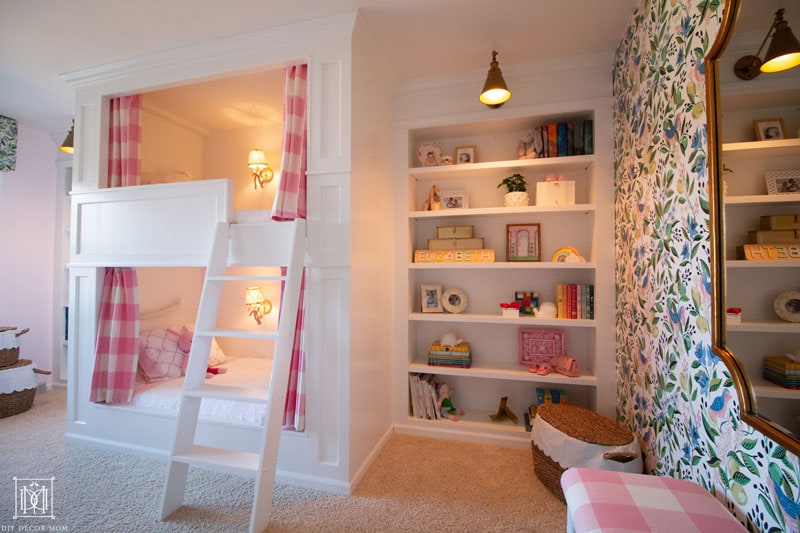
x,y
169,224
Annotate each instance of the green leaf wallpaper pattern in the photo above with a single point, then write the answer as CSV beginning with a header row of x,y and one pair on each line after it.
x,y
8,143
672,390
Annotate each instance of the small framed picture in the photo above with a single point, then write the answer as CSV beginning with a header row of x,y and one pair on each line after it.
x,y
454,199
431,296
783,182
523,242
465,154
769,128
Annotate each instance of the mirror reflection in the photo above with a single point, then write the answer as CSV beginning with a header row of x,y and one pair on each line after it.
x,y
759,218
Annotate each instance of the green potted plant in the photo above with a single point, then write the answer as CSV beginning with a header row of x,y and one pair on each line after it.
x,y
517,195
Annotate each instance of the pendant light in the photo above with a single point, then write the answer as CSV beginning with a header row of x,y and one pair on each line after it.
x,y
783,52
495,91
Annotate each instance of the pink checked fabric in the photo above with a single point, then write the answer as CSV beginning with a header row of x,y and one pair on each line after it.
x,y
294,415
290,200
117,345
124,140
604,501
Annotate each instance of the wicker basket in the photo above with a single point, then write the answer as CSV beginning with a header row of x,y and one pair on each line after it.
x,y
19,401
578,423
9,347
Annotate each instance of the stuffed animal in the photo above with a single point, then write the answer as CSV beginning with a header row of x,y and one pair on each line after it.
x,y
445,404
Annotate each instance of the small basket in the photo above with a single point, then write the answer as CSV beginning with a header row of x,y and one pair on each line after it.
x,y
9,348
578,423
17,402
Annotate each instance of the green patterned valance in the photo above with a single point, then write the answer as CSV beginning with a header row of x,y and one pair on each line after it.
x,y
8,143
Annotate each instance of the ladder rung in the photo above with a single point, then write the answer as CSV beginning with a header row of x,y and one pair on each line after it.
x,y
231,461
226,392
246,278
238,333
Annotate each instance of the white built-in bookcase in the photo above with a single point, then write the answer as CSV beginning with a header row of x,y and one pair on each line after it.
x,y
587,226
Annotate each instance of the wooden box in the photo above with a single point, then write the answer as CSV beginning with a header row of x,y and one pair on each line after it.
x,y
780,222
455,244
785,236
555,192
454,232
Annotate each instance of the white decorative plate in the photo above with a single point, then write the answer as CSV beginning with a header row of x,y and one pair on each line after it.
x,y
454,300
787,306
429,154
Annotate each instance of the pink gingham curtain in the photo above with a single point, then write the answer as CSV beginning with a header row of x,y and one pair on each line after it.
x,y
124,141
290,200
290,203
117,347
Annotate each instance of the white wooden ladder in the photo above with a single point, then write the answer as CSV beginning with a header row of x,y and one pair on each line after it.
x,y
246,245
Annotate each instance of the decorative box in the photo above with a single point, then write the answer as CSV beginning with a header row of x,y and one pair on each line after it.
x,y
454,232
475,243
510,312
782,236
780,222
560,192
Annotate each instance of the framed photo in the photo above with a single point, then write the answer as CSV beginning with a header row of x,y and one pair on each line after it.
x,y
431,297
454,199
465,154
769,128
537,345
523,242
783,182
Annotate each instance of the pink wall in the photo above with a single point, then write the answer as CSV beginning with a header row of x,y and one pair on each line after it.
x,y
27,232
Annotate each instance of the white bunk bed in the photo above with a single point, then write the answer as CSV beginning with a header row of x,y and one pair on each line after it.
x,y
163,225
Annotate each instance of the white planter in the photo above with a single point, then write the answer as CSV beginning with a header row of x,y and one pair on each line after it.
x,y
516,199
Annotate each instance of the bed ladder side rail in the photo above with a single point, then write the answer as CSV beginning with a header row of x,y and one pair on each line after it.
x,y
262,465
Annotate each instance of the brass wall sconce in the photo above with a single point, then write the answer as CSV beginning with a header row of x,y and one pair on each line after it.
x,y
259,169
69,141
257,304
495,91
783,52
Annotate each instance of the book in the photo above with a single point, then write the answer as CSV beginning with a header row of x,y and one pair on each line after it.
x,y
482,255
552,140
588,137
578,137
561,139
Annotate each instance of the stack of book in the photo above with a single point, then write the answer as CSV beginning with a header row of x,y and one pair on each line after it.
x,y
559,139
446,355
782,371
455,244
544,396
575,301
423,396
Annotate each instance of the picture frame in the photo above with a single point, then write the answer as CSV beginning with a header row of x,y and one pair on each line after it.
x,y
454,300
523,242
768,129
465,154
454,199
540,345
431,298
783,182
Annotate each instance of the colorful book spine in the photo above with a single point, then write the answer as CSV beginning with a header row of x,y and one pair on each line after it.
x,y
484,255
552,140
561,132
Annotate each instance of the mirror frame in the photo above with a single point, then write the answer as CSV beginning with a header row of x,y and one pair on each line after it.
x,y
747,398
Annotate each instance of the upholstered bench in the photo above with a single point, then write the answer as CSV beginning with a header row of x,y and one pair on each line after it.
x,y
601,500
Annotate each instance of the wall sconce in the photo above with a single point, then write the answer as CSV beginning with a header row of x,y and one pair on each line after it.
x,y
495,91
257,304
259,168
69,141
783,52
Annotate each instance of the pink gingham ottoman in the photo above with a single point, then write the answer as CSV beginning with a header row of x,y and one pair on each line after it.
x,y
605,501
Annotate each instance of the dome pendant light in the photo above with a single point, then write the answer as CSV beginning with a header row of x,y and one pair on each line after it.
x,y
495,91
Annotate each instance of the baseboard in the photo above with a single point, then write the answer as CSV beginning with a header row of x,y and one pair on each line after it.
x,y
356,479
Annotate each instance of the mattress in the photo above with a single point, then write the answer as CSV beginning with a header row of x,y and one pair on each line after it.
x,y
251,372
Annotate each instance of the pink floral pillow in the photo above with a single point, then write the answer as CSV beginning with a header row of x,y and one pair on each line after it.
x,y
159,355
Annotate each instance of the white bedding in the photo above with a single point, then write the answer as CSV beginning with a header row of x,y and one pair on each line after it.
x,y
253,372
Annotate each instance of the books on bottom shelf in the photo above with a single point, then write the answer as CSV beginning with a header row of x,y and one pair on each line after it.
x,y
423,390
544,396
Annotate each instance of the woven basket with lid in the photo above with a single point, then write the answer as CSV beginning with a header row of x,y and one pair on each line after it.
x,y
9,345
578,423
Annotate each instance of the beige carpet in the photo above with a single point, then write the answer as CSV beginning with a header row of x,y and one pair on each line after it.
x,y
415,484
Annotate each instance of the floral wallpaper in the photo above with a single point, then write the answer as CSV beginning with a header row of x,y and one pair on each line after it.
x,y
8,143
672,390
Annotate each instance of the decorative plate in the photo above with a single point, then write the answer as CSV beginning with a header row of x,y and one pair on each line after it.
x,y
787,306
454,300
429,154
560,255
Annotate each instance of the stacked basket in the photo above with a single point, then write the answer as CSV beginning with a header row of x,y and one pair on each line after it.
x,y
17,376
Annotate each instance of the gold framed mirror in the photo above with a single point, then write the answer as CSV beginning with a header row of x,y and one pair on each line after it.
x,y
742,196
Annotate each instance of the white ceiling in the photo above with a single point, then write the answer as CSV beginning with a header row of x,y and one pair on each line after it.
x,y
42,39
